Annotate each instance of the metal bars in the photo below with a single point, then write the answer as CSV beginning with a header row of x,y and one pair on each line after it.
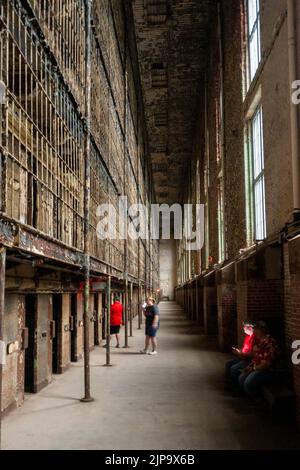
x,y
42,140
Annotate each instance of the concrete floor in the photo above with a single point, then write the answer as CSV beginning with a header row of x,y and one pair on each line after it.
x,y
174,400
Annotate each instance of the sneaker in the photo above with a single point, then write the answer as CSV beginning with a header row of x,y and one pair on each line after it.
x,y
144,351
152,353
117,345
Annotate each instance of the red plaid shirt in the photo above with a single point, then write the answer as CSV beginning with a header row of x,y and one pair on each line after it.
x,y
265,349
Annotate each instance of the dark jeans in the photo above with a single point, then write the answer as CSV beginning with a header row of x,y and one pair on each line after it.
x,y
233,369
251,383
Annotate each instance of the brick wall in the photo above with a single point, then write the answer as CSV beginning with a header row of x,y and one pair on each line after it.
x,y
210,304
276,116
205,141
261,300
204,145
234,187
194,292
227,308
200,308
292,307
264,288
260,293
190,300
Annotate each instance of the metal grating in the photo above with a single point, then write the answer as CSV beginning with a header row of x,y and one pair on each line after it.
x,y
44,175
42,128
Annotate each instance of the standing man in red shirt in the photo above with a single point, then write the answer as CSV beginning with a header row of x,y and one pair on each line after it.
x,y
116,319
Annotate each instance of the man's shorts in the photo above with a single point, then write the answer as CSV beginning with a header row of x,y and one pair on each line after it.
x,y
150,331
114,329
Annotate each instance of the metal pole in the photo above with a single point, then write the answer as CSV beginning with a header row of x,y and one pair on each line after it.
x,y
86,320
143,298
130,311
125,186
2,345
108,304
126,314
139,306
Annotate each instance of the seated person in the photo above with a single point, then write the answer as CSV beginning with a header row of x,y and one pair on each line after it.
x,y
243,357
260,370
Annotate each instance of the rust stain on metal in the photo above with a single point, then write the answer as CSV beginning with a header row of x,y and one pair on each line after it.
x,y
7,233
40,246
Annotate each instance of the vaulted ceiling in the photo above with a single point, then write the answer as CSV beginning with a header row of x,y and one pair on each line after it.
x,y
172,48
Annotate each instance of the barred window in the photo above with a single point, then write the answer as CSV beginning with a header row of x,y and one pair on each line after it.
x,y
256,178
254,41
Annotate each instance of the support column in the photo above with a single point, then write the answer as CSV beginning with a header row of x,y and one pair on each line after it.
x,y
139,307
130,311
2,345
142,299
86,320
107,320
126,314
210,304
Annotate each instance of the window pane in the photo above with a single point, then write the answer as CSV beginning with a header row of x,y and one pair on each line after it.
x,y
254,43
252,13
261,139
258,210
264,208
254,53
259,201
258,182
258,42
257,145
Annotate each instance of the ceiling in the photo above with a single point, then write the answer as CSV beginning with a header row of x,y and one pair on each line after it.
x,y
172,49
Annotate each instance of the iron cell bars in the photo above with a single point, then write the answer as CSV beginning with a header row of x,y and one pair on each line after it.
x,y
42,68
63,24
44,177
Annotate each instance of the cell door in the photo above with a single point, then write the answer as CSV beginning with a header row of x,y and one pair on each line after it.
x,y
57,312
96,317
30,351
74,329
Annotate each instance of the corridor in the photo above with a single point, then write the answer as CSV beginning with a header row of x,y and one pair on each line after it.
x,y
174,400
149,154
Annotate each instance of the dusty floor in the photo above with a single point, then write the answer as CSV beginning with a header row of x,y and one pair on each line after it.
x,y
174,400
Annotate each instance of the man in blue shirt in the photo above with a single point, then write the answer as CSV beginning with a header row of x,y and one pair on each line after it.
x,y
151,313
